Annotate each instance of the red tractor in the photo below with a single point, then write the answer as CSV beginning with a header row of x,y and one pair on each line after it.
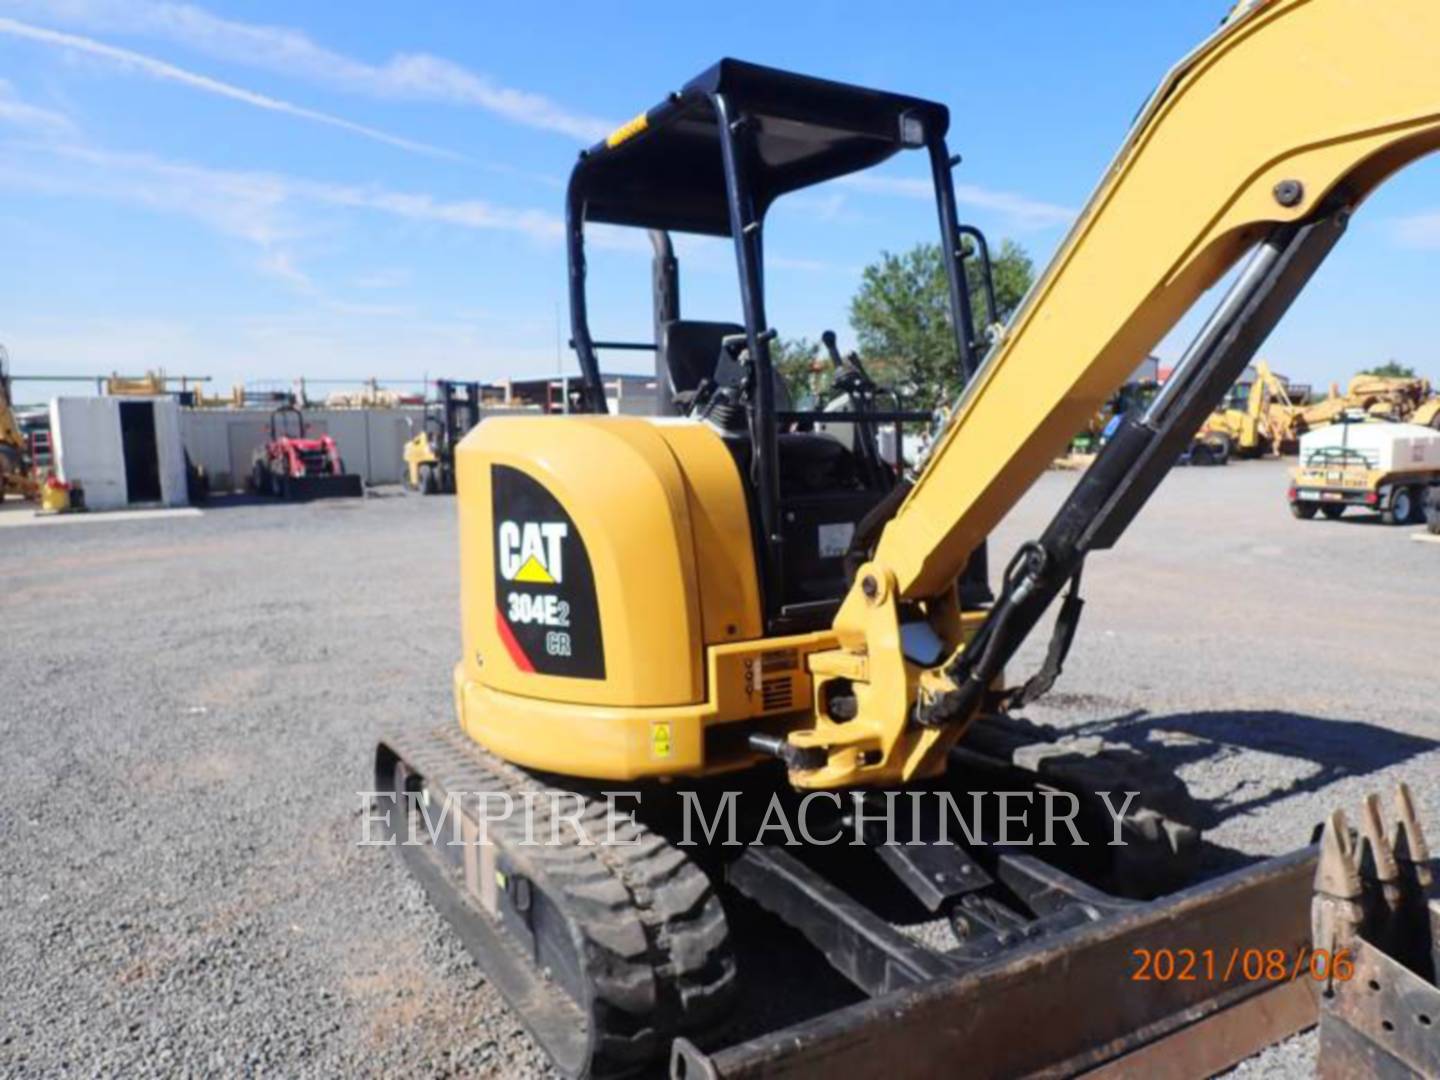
x,y
293,466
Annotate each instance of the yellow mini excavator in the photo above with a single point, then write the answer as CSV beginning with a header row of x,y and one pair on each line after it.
x,y
733,609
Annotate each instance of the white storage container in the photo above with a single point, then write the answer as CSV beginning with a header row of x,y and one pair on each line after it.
x,y
1384,447
123,451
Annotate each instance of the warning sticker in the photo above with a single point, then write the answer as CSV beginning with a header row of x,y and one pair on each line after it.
x,y
834,540
660,745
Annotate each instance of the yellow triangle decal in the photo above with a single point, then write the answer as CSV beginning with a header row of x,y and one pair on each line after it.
x,y
533,573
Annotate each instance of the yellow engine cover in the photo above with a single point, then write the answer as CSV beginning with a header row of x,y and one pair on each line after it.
x,y
610,603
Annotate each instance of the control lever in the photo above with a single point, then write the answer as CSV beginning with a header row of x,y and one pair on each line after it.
x,y
849,375
850,379
735,344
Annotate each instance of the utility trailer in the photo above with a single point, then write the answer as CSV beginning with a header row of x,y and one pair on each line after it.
x,y
1375,465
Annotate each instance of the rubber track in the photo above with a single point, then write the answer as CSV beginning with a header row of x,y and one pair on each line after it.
x,y
1162,826
655,945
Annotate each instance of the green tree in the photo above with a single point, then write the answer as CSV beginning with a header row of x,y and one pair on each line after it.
x,y
901,316
1391,369
806,373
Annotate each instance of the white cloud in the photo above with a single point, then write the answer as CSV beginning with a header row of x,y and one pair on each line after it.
x,y
1419,231
21,114
825,204
246,206
1019,211
281,264
276,212
291,52
318,342
273,214
133,61
271,211
1023,211
809,266
392,277
372,311
468,213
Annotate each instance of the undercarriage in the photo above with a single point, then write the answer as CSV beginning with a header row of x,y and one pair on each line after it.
x,y
604,915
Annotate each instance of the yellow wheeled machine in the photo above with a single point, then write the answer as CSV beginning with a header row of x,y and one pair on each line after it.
x,y
1263,422
730,600
428,459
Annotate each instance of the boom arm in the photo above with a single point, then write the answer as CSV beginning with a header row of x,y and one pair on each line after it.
x,y
1267,389
1264,138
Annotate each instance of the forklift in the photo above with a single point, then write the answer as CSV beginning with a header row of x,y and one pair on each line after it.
x,y
428,460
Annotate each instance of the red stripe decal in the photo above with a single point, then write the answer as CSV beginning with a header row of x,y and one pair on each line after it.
x,y
512,646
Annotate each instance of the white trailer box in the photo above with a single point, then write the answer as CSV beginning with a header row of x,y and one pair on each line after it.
x,y
1384,447
122,451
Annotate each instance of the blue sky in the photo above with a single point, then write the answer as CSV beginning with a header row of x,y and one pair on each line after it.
x,y
268,190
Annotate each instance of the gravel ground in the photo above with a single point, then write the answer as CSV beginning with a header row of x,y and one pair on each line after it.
x,y
190,705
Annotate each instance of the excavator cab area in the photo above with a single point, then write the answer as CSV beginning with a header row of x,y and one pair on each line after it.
x,y
711,160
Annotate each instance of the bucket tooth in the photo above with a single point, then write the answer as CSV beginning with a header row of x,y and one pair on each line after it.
x,y
1411,851
1338,872
1337,911
1377,863
1378,1020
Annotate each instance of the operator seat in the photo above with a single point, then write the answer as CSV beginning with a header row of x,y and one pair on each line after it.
x,y
690,350
823,496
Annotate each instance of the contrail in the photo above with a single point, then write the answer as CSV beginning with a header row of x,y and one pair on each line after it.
x,y
161,70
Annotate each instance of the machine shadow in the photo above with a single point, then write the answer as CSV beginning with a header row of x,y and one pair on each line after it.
x,y
799,984
240,500
1333,750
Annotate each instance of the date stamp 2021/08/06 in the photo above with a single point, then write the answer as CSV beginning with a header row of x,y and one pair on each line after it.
x,y
1248,965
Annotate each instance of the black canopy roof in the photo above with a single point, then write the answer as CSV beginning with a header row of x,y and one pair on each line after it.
x,y
663,170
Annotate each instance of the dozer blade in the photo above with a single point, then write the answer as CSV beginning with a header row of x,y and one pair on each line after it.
x,y
605,939
1079,1002
305,488
1376,913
